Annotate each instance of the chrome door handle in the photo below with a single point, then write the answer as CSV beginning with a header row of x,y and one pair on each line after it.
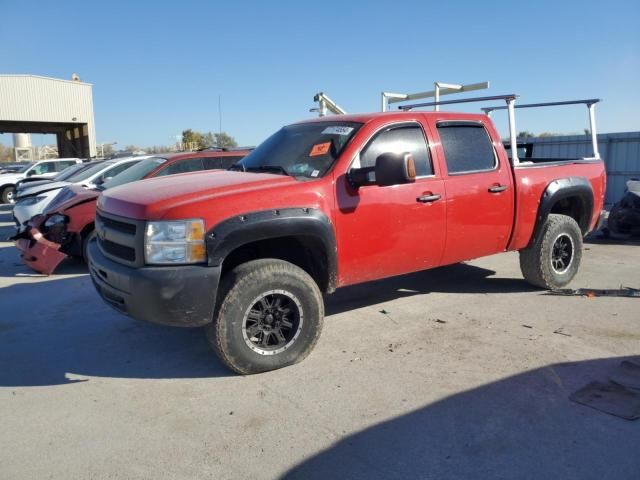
x,y
497,188
428,198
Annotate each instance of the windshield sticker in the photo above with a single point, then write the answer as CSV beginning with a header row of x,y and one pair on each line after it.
x,y
336,130
320,149
315,173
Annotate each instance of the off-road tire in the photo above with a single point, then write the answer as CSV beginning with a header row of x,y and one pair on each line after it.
x,y
536,260
8,194
238,290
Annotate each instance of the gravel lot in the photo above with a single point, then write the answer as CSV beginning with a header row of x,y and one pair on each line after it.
x,y
431,375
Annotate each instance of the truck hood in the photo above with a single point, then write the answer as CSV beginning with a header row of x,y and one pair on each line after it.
x,y
151,199
29,191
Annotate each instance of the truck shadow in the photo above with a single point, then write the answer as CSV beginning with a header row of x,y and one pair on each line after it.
x,y
57,331
522,427
458,278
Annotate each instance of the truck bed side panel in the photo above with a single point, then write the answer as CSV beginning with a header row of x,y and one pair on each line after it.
x,y
532,181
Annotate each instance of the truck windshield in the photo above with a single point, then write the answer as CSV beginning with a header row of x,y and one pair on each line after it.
x,y
300,150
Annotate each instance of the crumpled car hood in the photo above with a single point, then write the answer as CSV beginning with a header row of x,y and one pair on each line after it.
x,y
70,196
42,188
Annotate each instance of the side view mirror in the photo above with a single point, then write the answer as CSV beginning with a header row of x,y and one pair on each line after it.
x,y
390,169
31,173
395,169
100,180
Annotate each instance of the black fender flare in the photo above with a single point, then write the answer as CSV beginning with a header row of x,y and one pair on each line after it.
x,y
562,188
250,227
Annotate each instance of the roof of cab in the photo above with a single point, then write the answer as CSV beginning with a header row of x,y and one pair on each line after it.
x,y
203,153
392,115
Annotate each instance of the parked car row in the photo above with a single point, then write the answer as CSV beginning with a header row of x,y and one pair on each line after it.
x,y
43,169
249,251
62,214
32,198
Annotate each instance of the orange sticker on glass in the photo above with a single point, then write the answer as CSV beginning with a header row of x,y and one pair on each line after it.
x,y
320,149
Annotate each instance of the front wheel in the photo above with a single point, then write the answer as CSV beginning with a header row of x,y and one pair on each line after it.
x,y
270,316
553,260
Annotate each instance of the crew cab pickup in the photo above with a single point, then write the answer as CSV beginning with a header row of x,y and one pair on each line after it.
x,y
327,203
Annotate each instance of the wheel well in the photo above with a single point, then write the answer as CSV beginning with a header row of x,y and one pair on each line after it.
x,y
575,207
87,229
306,252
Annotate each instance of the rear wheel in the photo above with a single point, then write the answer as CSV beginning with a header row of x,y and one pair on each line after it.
x,y
9,194
270,316
554,259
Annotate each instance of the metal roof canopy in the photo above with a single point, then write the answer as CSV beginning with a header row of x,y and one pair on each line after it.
x,y
37,104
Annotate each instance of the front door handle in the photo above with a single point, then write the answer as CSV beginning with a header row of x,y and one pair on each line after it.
x,y
428,198
497,188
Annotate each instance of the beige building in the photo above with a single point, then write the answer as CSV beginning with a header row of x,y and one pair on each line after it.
x,y
34,104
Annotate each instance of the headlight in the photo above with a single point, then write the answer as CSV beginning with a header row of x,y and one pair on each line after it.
x,y
55,220
30,200
175,242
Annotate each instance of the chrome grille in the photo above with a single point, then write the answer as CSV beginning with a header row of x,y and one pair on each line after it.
x,y
120,239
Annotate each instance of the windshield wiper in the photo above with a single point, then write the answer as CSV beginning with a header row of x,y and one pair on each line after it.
x,y
268,168
238,167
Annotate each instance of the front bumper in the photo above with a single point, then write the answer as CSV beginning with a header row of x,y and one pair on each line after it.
x,y
22,213
182,296
37,252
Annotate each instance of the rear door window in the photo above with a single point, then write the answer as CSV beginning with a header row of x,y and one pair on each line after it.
x,y
182,166
409,138
43,168
220,162
467,147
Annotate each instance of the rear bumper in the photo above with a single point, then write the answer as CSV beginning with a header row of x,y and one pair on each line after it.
x,y
182,296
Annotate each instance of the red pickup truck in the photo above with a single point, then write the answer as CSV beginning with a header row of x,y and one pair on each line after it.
x,y
331,202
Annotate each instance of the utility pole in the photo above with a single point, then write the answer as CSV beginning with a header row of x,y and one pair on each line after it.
x,y
219,119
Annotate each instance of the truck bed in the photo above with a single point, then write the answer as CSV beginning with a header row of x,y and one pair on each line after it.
x,y
531,179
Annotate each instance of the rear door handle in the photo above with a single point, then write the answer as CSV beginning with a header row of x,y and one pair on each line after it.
x,y
497,188
428,198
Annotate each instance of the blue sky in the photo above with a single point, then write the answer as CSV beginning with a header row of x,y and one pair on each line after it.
x,y
158,67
